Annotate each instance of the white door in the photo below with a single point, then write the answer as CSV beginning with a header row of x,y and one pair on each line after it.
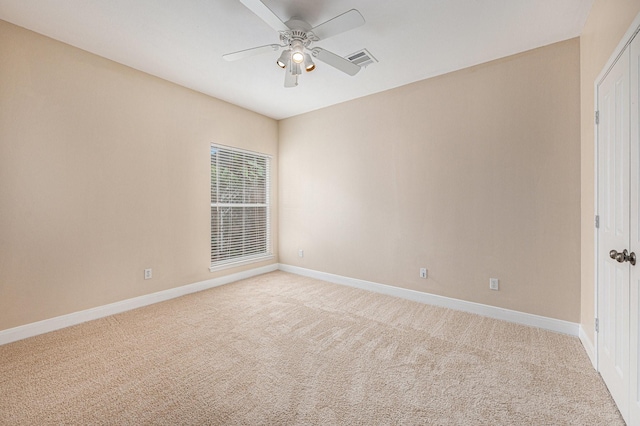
x,y
613,233
619,234
634,243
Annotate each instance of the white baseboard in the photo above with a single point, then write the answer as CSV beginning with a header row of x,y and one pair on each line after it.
x,y
517,317
589,347
52,324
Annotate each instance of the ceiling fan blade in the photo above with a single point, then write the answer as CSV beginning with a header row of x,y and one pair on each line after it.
x,y
335,61
264,13
290,79
341,23
251,52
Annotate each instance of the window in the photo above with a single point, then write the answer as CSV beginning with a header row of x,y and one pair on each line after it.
x,y
240,231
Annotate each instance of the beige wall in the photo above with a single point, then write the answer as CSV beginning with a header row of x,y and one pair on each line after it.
x,y
104,171
474,174
605,27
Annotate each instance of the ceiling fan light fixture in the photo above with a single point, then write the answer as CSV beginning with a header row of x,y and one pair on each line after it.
x,y
282,61
297,57
308,63
297,52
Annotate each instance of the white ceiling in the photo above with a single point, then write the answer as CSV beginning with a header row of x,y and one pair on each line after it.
x,y
183,41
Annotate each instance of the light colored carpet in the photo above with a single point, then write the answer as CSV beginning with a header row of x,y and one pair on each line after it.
x,y
281,349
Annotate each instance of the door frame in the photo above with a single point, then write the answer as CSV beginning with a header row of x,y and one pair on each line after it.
x,y
631,32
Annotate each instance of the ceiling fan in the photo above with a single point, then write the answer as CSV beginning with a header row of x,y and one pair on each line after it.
x,y
297,36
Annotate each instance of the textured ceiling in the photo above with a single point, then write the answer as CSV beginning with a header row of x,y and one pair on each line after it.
x,y
183,41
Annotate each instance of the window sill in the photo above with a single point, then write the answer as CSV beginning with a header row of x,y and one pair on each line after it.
x,y
234,264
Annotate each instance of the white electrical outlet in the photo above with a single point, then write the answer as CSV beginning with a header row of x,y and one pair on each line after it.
x,y
423,272
300,253
493,284
148,274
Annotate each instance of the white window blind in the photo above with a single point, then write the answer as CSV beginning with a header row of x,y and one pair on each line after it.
x,y
240,230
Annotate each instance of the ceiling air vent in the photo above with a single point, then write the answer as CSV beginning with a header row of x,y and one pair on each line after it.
x,y
362,58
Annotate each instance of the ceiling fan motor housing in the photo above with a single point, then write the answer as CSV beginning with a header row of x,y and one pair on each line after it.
x,y
299,34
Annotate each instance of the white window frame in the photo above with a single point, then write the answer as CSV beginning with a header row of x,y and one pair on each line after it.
x,y
250,258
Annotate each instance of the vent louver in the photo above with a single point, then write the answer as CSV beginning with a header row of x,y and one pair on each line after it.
x,y
362,58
